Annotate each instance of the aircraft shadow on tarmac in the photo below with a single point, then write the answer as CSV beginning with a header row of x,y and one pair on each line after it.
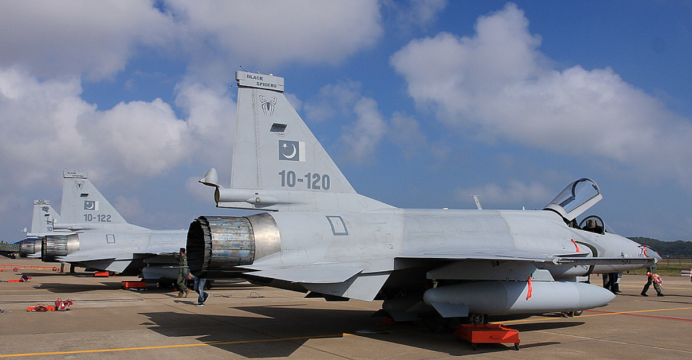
x,y
278,331
75,288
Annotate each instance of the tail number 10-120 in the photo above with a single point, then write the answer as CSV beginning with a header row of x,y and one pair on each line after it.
x,y
313,181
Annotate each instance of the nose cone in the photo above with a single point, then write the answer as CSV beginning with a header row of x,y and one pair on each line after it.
x,y
652,253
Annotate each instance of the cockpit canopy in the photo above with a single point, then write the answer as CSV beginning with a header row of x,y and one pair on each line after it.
x,y
576,198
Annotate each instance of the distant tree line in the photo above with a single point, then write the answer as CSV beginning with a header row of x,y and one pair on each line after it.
x,y
677,248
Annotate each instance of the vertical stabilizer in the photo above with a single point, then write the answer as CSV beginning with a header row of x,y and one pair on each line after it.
x,y
43,217
271,138
278,164
83,203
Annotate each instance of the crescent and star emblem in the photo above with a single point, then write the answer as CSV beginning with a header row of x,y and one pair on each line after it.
x,y
291,150
293,154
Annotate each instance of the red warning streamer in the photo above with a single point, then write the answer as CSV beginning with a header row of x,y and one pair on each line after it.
x,y
528,293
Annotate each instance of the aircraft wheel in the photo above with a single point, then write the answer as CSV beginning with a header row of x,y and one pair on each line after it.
x,y
477,319
516,346
578,312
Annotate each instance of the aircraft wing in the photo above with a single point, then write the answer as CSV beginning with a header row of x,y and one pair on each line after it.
x,y
483,254
515,255
603,261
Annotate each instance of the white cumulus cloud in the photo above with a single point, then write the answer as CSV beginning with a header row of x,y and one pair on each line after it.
x,y
96,38
498,85
47,127
362,139
269,33
365,127
416,13
514,192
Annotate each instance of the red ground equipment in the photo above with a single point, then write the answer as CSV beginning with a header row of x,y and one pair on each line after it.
x,y
487,334
60,305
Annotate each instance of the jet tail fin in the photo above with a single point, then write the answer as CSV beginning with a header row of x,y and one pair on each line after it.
x,y
83,203
43,217
278,164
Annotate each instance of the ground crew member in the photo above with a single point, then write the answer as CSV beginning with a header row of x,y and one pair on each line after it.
x,y
183,274
654,278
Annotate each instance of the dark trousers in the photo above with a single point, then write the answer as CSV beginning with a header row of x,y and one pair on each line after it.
x,y
648,283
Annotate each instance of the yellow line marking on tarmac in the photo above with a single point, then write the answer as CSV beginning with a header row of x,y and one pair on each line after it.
x,y
177,346
590,315
295,338
192,345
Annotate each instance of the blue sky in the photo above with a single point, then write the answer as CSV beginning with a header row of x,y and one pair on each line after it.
x,y
420,103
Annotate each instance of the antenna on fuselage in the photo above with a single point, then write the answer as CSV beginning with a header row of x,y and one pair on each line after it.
x,y
477,201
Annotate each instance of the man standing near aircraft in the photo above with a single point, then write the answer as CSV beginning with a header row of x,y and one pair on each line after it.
x,y
183,274
654,278
200,282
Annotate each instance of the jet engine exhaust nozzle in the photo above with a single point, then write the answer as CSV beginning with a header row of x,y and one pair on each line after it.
x,y
59,245
30,247
216,244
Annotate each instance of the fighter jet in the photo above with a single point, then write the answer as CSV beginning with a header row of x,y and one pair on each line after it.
x,y
90,233
42,221
317,234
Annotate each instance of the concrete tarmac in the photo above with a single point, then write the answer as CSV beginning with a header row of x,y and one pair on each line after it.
x,y
247,321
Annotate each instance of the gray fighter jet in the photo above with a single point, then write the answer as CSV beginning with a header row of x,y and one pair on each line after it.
x,y
42,221
89,232
317,234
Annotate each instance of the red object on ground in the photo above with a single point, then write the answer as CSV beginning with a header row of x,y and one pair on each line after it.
x,y
488,334
133,285
102,273
25,267
61,305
